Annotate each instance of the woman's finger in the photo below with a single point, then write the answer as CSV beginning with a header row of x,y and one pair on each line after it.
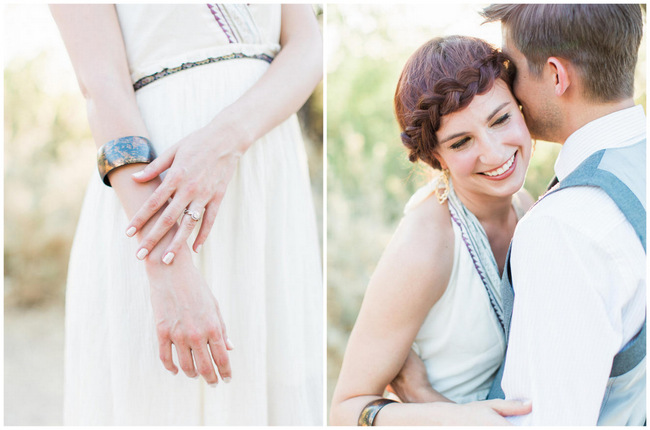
x,y
153,204
161,163
185,360
165,351
209,216
204,364
165,222
510,407
192,216
220,358
224,332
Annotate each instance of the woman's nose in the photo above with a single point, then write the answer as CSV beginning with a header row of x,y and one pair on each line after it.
x,y
492,150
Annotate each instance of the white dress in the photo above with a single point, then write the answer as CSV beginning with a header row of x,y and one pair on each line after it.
x,y
261,260
460,341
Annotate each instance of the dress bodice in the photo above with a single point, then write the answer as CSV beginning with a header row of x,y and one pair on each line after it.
x,y
460,340
159,36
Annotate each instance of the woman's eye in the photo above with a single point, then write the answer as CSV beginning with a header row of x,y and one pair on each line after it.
x,y
502,119
460,143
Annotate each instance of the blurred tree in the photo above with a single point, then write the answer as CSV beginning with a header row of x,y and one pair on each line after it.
x,y
48,157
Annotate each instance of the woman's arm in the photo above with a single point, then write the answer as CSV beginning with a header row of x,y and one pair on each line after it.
x,y
409,279
211,153
186,313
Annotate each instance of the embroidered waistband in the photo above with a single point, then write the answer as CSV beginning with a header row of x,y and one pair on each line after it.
x,y
166,72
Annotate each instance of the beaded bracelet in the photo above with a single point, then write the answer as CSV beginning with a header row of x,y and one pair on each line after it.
x,y
368,414
123,151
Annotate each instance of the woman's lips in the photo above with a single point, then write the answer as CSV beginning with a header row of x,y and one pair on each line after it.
x,y
502,171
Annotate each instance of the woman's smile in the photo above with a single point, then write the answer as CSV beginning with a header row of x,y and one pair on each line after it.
x,y
502,171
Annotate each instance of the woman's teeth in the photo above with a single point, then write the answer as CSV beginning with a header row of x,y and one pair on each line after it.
x,y
503,168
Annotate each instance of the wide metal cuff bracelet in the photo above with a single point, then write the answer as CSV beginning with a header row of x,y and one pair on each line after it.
x,y
368,414
123,151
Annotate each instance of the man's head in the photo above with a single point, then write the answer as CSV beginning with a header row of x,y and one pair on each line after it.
x,y
589,48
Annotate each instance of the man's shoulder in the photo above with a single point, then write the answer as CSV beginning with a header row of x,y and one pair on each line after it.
x,y
583,210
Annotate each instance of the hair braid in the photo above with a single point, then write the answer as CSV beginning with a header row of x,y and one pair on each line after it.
x,y
453,71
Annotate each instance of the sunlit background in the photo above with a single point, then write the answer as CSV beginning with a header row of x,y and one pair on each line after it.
x,y
369,177
49,157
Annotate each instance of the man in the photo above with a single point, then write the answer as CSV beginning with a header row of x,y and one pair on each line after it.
x,y
577,264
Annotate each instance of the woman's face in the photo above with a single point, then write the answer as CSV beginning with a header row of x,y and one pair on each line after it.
x,y
486,146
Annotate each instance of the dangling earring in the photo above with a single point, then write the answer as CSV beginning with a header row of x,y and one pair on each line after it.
x,y
442,192
534,145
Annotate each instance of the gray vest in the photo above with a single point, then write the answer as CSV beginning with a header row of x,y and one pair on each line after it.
x,y
620,172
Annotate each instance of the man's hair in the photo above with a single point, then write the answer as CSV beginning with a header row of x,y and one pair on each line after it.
x,y
601,40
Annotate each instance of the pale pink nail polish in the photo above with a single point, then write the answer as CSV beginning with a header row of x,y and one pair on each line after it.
x,y
130,232
142,253
168,257
198,248
227,379
138,175
229,344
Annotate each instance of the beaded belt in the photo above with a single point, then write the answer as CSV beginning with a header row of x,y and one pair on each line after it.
x,y
166,72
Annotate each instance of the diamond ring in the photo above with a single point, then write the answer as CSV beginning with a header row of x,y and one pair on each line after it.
x,y
194,214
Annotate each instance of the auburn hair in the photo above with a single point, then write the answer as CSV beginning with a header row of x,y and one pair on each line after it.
x,y
440,78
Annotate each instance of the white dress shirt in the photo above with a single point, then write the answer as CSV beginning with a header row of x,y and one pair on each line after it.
x,y
579,276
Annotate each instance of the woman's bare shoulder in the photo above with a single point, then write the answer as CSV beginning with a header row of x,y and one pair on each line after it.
x,y
421,252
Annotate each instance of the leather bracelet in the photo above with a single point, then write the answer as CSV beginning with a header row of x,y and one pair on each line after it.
x,y
123,151
369,413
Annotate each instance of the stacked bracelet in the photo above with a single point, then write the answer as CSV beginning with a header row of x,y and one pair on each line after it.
x,y
123,151
368,414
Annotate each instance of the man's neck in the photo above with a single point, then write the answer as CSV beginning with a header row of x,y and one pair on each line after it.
x,y
580,115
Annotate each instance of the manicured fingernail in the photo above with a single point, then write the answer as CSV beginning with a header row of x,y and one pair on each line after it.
x,y
142,253
168,257
526,402
227,379
130,232
229,344
198,248
213,385
139,174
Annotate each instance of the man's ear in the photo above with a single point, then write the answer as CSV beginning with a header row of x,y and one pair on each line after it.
x,y
560,75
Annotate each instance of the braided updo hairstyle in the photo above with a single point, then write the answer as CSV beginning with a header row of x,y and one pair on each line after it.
x,y
440,78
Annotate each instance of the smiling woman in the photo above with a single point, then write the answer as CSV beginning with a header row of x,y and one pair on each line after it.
x,y
457,113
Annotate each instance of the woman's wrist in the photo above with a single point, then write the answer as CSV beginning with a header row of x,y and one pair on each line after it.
x,y
229,127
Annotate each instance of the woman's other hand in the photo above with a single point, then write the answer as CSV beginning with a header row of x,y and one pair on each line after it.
x,y
201,166
411,384
187,315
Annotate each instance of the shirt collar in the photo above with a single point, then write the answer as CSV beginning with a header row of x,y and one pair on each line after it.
x,y
621,128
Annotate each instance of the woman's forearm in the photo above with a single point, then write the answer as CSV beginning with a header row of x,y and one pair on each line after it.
x,y
284,87
346,413
94,42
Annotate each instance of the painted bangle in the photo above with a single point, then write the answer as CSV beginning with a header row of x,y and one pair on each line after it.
x,y
123,151
368,414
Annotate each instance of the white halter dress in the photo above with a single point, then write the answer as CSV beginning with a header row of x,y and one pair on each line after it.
x,y
461,340
262,258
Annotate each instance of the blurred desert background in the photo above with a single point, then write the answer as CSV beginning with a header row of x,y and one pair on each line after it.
x,y
369,177
49,156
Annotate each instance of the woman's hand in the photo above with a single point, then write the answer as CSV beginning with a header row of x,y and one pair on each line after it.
x,y
187,315
411,384
201,166
491,412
